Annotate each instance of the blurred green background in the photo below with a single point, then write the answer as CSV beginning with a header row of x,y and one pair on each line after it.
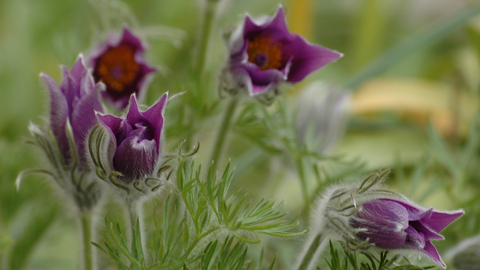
x,y
418,116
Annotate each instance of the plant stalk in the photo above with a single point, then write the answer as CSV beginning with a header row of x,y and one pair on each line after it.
x,y
310,254
205,37
223,131
303,181
86,224
134,215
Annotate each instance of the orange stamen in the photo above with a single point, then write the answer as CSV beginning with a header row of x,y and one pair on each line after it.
x,y
265,53
117,67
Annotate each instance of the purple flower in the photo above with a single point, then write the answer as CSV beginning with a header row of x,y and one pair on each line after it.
x,y
264,53
394,224
74,101
370,217
120,64
135,140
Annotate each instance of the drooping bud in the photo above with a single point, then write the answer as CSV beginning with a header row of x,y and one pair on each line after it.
x,y
368,216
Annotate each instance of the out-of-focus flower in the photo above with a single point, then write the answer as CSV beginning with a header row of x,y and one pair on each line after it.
x,y
369,216
322,116
72,116
263,53
120,64
466,254
75,101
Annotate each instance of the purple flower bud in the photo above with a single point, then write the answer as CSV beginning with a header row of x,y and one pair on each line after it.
x,y
120,64
75,101
135,140
370,216
264,53
64,141
395,224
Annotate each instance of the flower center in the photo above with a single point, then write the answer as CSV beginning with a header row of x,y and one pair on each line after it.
x,y
117,67
265,53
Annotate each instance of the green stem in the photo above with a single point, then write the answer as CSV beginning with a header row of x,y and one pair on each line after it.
x,y
206,30
303,181
223,131
86,224
310,254
420,40
136,231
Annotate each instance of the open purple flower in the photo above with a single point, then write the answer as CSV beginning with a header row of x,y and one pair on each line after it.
x,y
264,53
75,101
394,224
120,64
135,140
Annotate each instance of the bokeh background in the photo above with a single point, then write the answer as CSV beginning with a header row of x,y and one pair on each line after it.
x,y
415,112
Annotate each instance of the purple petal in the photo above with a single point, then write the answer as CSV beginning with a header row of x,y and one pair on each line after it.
x,y
436,220
432,252
414,212
69,88
134,115
130,38
385,223
58,115
264,77
384,212
426,231
135,157
83,119
307,57
277,23
415,238
439,220
78,69
382,235
155,116
87,84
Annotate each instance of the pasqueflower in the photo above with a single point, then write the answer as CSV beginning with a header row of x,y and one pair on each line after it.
x,y
120,64
395,224
75,101
135,140
371,216
263,53
72,116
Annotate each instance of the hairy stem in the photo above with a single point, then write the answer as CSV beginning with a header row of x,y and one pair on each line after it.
x,y
136,231
223,131
310,253
86,224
